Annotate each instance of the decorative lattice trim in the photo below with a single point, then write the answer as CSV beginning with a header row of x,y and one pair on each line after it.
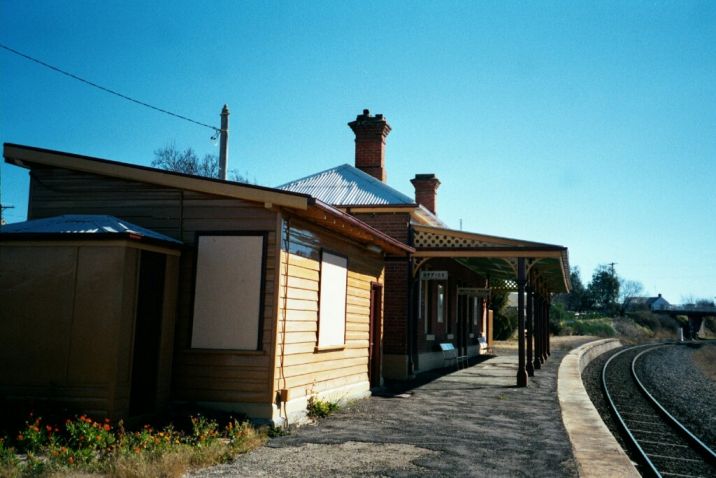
x,y
432,240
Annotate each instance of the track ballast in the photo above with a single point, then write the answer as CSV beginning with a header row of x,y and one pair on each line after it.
x,y
664,447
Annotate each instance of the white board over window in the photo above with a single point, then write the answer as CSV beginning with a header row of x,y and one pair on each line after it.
x,y
332,314
227,298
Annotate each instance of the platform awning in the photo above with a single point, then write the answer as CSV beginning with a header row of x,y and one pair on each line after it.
x,y
495,257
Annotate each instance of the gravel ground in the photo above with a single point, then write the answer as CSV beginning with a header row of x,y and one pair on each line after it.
x,y
474,422
682,378
677,377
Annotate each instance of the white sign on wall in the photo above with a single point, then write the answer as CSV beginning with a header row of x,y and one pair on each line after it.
x,y
433,275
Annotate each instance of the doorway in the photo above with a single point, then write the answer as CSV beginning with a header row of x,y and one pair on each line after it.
x,y
376,329
147,331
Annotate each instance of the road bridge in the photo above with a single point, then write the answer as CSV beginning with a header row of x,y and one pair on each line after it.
x,y
694,313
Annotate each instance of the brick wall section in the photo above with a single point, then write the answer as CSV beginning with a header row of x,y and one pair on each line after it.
x,y
395,225
395,308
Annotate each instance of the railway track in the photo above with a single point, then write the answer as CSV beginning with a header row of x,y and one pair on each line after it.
x,y
663,446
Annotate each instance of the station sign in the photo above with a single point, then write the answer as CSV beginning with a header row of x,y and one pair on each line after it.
x,y
433,275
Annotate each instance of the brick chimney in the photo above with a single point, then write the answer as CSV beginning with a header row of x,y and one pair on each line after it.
x,y
426,190
371,132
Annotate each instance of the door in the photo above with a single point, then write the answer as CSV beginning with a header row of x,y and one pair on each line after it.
x,y
147,330
376,329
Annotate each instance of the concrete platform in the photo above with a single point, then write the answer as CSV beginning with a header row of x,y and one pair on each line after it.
x,y
595,449
472,422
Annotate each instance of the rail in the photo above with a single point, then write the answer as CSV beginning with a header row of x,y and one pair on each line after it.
x,y
651,431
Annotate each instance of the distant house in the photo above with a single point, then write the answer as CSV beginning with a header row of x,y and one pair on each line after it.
x,y
441,292
268,296
635,304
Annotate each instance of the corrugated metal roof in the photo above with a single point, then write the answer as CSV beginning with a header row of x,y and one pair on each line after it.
x,y
346,185
82,224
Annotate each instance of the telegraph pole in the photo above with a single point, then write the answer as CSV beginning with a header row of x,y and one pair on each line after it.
x,y
224,142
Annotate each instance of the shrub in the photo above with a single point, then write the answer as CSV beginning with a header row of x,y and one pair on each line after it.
x,y
555,327
505,324
646,319
557,315
204,431
601,327
629,329
87,446
7,456
318,408
659,325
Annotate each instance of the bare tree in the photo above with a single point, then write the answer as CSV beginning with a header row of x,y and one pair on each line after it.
x,y
187,162
629,288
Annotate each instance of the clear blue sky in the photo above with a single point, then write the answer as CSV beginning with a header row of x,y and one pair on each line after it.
x,y
587,124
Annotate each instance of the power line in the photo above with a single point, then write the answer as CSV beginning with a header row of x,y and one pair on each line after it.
x,y
107,90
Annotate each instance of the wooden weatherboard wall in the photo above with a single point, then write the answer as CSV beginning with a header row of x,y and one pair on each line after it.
x,y
302,368
71,345
239,380
275,380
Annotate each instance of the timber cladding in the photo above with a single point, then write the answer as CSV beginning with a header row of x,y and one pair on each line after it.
x,y
67,325
287,356
300,366
200,375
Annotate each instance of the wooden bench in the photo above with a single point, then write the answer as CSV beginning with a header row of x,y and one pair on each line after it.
x,y
450,354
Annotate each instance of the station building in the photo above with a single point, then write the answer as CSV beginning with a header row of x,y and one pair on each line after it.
x,y
130,286
440,293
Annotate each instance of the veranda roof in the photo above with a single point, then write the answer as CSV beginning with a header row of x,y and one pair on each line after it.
x,y
494,256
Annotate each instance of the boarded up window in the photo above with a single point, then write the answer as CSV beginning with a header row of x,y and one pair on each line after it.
x,y
332,314
227,297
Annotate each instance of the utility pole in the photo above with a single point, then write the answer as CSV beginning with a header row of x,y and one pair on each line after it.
x,y
612,264
224,142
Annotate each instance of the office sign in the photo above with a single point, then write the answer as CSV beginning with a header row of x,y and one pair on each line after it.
x,y
433,275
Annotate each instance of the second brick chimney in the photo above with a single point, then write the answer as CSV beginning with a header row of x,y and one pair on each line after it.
x,y
426,190
371,132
